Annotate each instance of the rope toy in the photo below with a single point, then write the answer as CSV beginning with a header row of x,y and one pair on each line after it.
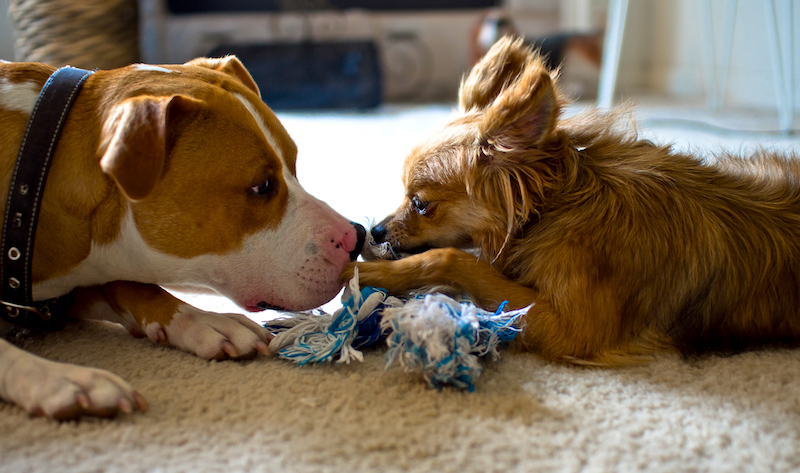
x,y
443,338
308,337
373,250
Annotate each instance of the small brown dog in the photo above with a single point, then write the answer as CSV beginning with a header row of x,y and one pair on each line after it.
x,y
622,246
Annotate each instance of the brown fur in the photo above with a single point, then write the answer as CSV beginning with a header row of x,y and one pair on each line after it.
x,y
622,246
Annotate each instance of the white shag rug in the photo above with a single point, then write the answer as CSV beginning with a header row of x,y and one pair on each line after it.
x,y
740,413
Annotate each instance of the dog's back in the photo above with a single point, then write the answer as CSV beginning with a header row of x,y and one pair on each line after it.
x,y
700,254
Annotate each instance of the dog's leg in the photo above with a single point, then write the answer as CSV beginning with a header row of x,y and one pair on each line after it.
x,y
148,310
582,329
445,267
60,390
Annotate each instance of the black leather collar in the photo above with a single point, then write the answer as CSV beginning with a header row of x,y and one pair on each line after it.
x,y
24,199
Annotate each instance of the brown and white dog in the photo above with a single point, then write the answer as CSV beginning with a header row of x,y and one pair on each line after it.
x,y
175,176
621,247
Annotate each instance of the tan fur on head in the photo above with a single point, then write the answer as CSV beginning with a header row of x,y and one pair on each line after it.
x,y
229,65
134,141
517,102
495,156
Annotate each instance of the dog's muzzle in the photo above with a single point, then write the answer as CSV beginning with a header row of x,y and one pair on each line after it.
x,y
361,236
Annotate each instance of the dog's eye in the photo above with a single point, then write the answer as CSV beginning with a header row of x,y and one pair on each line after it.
x,y
266,188
419,205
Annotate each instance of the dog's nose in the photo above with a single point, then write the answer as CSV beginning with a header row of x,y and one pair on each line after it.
x,y
361,236
378,233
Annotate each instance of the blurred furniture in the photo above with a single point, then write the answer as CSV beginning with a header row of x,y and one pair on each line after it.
x,y
303,54
177,30
84,33
312,75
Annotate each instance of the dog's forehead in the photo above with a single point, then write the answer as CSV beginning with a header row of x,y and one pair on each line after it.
x,y
438,153
216,89
273,131
152,68
460,131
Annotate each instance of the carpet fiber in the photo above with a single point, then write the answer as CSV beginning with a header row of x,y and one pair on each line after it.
x,y
717,414
740,413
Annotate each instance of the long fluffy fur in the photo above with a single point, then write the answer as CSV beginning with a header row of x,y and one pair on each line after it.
x,y
625,247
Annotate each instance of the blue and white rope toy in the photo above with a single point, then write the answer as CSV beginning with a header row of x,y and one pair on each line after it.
x,y
307,337
442,337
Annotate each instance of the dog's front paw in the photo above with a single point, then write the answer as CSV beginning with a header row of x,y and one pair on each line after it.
x,y
63,391
210,335
440,267
348,273
394,276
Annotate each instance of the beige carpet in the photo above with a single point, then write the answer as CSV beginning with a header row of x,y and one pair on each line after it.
x,y
719,414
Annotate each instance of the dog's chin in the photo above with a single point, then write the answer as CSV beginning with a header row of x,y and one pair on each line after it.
x,y
289,307
416,250
467,249
261,306
385,251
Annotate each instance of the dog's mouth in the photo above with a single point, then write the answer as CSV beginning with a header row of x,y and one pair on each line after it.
x,y
361,238
261,306
465,244
397,251
414,250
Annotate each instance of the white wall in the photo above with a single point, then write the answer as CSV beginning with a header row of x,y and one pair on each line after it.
x,y
663,48
678,50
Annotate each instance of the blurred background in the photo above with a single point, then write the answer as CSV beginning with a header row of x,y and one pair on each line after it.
x,y
721,52
357,83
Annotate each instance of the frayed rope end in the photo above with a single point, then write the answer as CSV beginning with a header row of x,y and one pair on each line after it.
x,y
434,333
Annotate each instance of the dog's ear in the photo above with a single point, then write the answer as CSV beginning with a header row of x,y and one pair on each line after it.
x,y
502,64
230,65
134,141
524,112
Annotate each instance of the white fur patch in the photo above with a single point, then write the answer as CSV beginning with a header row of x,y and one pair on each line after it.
x,y
20,97
204,333
152,329
36,384
152,68
129,258
260,121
